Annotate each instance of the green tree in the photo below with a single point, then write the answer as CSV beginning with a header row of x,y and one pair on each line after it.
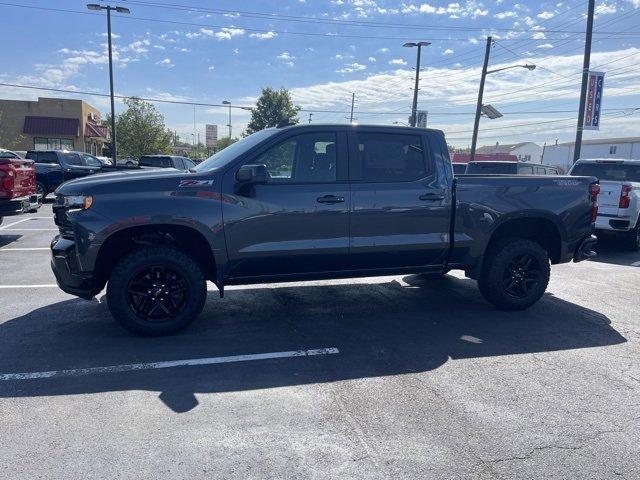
x,y
141,130
224,143
272,107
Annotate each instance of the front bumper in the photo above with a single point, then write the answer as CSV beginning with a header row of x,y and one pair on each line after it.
x,y
65,269
584,251
20,205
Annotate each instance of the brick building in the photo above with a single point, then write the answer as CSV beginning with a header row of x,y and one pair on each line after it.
x,y
51,123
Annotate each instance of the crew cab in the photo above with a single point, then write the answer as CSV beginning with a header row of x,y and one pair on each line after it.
x,y
312,202
619,200
17,185
54,167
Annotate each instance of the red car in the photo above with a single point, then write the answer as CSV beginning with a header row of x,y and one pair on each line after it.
x,y
17,185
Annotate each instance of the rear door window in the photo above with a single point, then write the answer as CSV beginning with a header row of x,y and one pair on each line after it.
x,y
47,157
91,161
386,157
178,163
73,159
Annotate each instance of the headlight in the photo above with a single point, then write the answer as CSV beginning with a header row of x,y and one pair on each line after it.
x,y
77,202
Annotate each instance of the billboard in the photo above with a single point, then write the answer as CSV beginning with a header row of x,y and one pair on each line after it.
x,y
211,135
421,120
594,101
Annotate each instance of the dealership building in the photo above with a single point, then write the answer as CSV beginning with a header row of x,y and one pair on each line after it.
x,y
52,123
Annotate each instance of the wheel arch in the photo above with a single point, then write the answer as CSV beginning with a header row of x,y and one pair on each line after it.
x,y
189,239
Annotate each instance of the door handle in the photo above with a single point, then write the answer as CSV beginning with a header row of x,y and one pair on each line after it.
x,y
434,197
330,199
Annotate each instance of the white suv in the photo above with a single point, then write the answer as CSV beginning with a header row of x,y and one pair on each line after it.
x,y
619,199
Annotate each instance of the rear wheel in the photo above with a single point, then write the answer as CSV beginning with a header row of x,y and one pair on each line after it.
x,y
42,191
515,274
156,291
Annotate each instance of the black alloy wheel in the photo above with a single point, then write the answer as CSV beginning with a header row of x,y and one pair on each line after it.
x,y
522,276
157,293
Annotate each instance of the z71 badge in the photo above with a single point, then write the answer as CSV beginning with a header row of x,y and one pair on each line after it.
x,y
195,183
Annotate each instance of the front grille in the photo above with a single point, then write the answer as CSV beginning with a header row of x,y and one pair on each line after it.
x,y
61,218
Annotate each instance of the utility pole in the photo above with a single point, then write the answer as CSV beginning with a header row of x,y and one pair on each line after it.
x,y
585,80
108,8
310,115
353,101
476,122
414,106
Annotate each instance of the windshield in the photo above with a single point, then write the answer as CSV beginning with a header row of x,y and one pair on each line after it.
x,y
617,172
487,168
228,154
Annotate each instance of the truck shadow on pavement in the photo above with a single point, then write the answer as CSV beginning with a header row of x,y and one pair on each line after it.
x,y
609,250
381,329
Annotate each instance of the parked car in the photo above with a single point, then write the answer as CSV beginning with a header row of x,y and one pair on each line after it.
x,y
104,160
17,185
509,168
310,202
54,167
619,199
166,161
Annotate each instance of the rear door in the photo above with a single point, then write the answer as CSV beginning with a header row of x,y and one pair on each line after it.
x,y
298,222
74,167
48,168
400,211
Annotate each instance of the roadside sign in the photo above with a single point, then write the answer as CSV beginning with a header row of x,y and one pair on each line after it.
x,y
422,119
211,135
594,101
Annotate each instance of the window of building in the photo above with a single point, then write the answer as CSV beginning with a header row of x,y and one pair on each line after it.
x,y
308,158
41,143
613,149
391,157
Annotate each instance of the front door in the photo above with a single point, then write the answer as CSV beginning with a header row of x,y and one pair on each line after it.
x,y
74,167
297,222
400,206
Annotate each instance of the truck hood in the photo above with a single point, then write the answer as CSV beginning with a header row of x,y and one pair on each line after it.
x,y
125,181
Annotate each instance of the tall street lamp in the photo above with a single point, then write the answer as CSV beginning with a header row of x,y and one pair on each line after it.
x,y
414,107
109,8
226,102
485,72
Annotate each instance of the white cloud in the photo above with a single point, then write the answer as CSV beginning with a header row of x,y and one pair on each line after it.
x,y
165,63
539,36
351,67
228,33
448,51
505,14
607,8
546,15
211,68
206,32
372,59
264,36
385,49
545,45
139,46
470,8
159,47
287,59
397,61
340,56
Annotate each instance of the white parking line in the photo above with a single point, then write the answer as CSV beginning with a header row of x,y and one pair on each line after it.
x,y
23,249
78,372
45,285
4,227
31,229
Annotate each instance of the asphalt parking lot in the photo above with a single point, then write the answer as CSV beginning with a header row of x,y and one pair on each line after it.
x,y
386,377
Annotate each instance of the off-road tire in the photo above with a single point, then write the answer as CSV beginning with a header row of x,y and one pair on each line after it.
x,y
131,266
495,273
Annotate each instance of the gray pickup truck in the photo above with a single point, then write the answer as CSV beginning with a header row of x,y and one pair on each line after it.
x,y
312,202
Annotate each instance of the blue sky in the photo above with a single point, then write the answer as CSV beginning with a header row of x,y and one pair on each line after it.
x,y
323,50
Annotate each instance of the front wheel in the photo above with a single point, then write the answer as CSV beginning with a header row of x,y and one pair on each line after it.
x,y
156,291
515,274
41,190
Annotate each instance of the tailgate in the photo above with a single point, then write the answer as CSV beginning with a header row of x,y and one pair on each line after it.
x,y
609,197
25,183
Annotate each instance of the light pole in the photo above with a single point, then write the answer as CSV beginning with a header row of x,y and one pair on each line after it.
x,y
226,102
108,8
414,107
485,72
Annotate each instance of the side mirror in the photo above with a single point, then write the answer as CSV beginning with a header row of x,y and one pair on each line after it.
x,y
255,174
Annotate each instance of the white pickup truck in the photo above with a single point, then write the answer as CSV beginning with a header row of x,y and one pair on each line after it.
x,y
619,199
